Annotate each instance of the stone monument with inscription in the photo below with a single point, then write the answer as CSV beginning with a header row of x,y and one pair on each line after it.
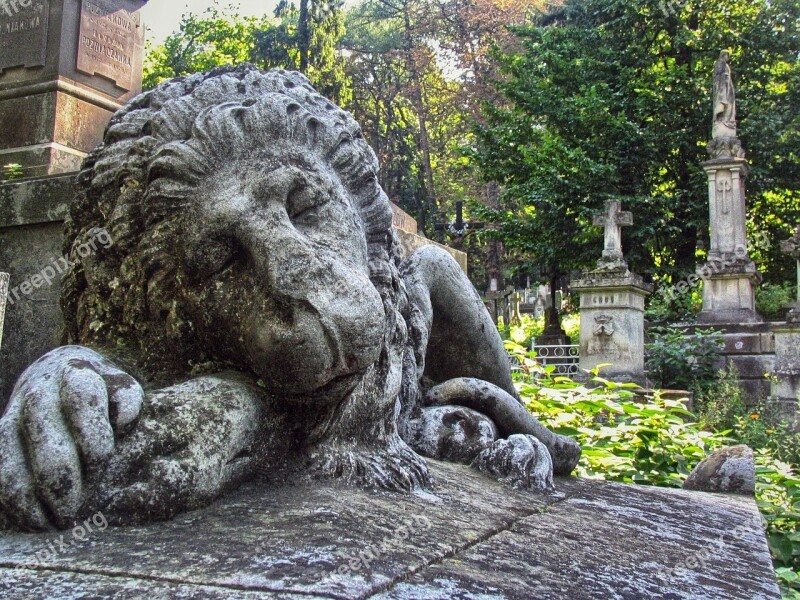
x,y
729,275
65,67
612,306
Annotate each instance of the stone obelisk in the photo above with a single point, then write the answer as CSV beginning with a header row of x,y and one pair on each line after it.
x,y
729,275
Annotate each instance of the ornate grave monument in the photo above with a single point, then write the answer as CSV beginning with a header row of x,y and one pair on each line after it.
x,y
786,376
65,67
729,275
612,306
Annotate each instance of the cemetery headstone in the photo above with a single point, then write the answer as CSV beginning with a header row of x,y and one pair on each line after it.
x,y
729,275
612,306
407,230
786,376
65,67
791,247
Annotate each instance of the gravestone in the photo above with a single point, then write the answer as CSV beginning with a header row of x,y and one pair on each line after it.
x,y
612,306
3,300
786,376
65,67
729,275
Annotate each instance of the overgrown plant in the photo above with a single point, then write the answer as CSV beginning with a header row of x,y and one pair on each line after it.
x,y
12,171
656,441
677,359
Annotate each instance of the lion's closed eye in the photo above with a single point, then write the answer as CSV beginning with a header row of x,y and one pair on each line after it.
x,y
303,204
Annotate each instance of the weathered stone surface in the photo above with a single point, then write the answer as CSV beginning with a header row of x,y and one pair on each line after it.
x,y
31,239
65,67
3,301
471,538
786,372
730,470
231,258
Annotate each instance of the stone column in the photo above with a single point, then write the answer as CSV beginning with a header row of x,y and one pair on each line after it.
x,y
65,67
612,307
729,276
3,300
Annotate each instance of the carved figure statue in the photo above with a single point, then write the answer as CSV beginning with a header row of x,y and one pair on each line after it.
x,y
724,98
252,319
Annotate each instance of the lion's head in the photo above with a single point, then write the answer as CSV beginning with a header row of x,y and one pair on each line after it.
x,y
249,231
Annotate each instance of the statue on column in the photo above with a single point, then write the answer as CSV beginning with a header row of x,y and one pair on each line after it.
x,y
724,143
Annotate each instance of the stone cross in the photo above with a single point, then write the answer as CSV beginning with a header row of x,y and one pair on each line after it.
x,y
792,248
459,227
3,300
613,221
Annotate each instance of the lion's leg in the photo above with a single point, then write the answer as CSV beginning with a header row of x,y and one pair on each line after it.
x,y
462,339
192,442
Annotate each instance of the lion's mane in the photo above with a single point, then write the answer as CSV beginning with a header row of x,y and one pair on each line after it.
x,y
135,183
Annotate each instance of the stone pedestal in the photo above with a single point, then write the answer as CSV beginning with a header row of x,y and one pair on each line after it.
x,y
65,67
32,216
786,374
471,538
3,299
729,275
612,323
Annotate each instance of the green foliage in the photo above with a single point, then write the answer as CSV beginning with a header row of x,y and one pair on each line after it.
x,y
531,328
12,171
721,404
667,306
609,99
213,38
656,441
772,299
676,359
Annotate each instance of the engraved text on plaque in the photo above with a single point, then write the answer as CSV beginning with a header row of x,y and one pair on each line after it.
x,y
108,36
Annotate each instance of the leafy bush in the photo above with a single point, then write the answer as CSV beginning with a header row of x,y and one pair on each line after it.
x,y
12,171
531,328
772,299
658,442
678,360
666,306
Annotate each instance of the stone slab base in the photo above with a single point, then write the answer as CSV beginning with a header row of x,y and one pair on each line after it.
x,y
472,538
750,347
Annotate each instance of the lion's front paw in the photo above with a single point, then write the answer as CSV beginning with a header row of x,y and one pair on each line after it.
x,y
521,460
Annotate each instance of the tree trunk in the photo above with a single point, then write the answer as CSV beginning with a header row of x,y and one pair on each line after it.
x,y
304,35
418,103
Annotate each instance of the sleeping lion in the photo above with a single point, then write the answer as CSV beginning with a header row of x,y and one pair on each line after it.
x,y
253,318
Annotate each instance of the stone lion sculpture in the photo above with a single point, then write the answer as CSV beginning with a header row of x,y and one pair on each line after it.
x,y
253,318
